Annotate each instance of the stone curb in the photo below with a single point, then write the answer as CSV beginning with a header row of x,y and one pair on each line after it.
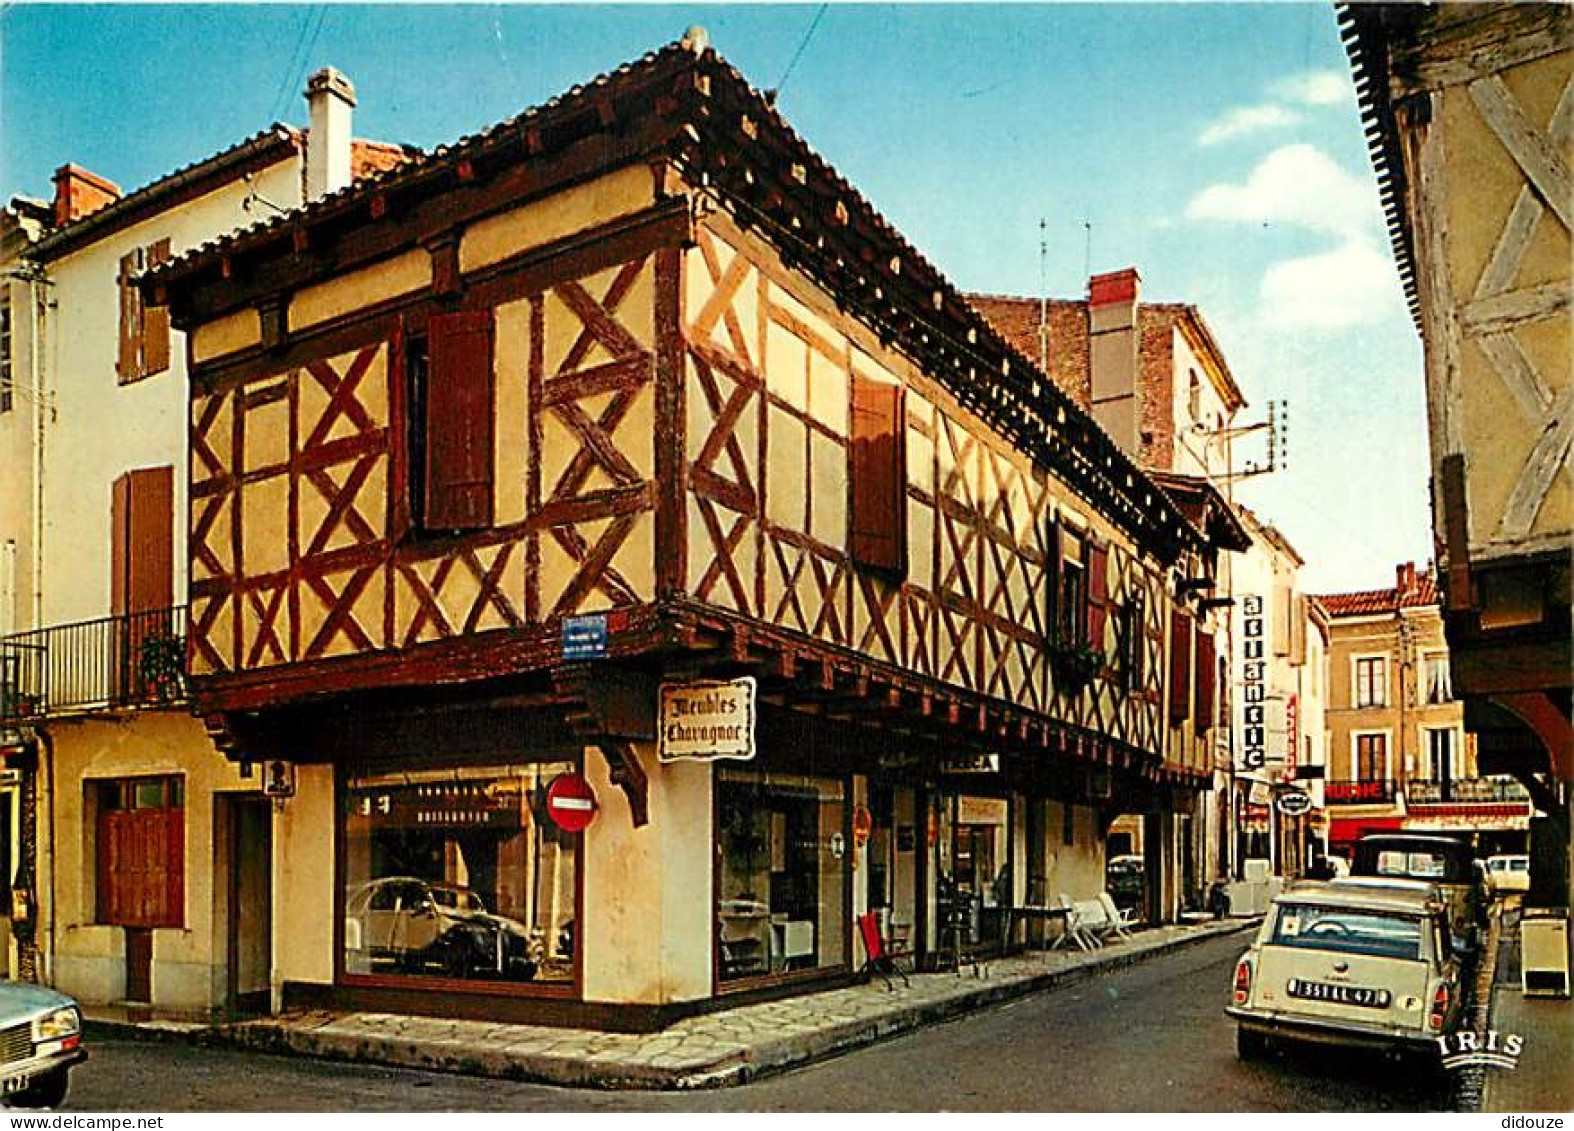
x,y
614,1072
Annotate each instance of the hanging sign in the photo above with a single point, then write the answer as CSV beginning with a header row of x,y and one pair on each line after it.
x,y
278,779
1294,802
571,803
1253,689
863,825
1292,736
971,764
703,720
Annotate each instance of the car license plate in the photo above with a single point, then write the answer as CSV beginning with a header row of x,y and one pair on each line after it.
x,y
1339,995
15,1084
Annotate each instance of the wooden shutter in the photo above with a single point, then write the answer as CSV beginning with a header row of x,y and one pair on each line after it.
x,y
1052,558
142,541
1098,592
1207,679
1180,667
459,424
155,319
878,522
127,362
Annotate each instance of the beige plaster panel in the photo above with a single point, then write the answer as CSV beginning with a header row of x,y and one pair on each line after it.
x,y
512,433
89,958
357,290
651,936
303,879
229,334
1075,870
562,214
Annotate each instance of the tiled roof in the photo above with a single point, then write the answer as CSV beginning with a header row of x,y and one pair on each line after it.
x,y
1374,602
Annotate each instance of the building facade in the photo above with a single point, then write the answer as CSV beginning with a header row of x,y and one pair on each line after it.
x,y
135,841
1399,755
618,437
1467,108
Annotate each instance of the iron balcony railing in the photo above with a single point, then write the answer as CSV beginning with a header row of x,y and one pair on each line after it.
x,y
138,659
1420,791
1365,791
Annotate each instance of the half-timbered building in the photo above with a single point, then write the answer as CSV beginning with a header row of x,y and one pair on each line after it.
x,y
516,471
1469,110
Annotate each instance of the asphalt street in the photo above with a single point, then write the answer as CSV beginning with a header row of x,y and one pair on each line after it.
x,y
1150,1038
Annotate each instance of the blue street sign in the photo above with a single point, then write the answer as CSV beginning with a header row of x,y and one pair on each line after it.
x,y
585,638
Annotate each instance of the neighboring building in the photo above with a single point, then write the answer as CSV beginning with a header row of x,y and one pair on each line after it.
x,y
139,846
1280,678
634,390
1399,755
1468,117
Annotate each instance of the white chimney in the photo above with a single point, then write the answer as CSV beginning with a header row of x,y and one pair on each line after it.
x,y
331,98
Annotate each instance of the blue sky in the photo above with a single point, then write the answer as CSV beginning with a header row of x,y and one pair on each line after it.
x,y
1215,147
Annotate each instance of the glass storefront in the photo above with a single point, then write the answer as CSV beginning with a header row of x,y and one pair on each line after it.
x,y
783,863
972,868
459,873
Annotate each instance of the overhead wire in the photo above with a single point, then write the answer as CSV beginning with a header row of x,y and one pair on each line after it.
x,y
798,54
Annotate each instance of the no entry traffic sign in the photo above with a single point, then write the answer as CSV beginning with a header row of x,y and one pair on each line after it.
x,y
571,803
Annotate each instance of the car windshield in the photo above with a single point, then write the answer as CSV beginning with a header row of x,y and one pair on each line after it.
x,y
1347,930
457,900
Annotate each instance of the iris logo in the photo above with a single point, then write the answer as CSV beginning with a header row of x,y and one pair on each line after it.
x,y
1489,1050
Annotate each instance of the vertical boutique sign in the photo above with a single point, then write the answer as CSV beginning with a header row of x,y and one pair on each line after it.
x,y
1254,731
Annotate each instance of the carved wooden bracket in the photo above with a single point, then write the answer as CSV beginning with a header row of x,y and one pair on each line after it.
x,y
629,776
614,709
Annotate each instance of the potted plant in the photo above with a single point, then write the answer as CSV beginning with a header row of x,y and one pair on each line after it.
x,y
1075,664
162,666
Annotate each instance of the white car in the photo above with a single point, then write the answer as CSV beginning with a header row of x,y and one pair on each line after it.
x,y
1367,964
1508,874
40,1039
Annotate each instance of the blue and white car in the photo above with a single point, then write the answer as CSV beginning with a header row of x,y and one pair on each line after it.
x,y
40,1039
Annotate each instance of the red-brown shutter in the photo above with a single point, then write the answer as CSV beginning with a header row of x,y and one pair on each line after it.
x,y
1207,679
155,319
126,361
1180,667
1052,559
878,523
459,424
1098,592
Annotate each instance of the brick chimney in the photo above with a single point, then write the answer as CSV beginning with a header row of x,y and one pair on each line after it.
x,y
1115,364
80,193
331,99
1405,579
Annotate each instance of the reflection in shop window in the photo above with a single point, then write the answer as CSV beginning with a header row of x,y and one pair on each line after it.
x,y
459,874
783,873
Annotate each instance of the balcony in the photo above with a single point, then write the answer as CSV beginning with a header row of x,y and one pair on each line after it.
x,y
136,660
1366,791
1456,790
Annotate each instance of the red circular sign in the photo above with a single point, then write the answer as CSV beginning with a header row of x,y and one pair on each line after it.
x,y
571,803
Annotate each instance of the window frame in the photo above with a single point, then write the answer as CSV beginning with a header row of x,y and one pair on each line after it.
x,y
1358,659
1387,736
1428,661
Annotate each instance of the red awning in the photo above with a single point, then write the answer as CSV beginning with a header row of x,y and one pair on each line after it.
x,y
1354,828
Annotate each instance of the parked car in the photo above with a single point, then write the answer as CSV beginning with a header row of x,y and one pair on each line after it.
x,y
40,1039
1450,864
418,926
1345,962
1123,879
1507,874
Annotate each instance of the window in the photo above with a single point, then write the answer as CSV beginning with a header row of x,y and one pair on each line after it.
x,y
5,354
1371,681
1440,754
139,852
1070,611
459,874
1345,931
1133,641
782,873
144,331
1439,688
1371,757
877,468
449,395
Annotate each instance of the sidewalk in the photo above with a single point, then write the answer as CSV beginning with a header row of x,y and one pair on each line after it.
x,y
1544,1080
716,1049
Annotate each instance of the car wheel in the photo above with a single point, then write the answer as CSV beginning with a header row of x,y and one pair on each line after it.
x,y
1249,1043
49,1090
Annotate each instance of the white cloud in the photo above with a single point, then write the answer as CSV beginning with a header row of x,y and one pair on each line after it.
x,y
1246,120
1315,88
1298,185
1353,285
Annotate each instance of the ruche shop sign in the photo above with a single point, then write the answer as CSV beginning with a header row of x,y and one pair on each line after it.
x,y
706,720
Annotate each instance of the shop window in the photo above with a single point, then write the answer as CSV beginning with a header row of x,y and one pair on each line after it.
x,y
144,330
783,863
138,828
450,401
877,470
459,874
